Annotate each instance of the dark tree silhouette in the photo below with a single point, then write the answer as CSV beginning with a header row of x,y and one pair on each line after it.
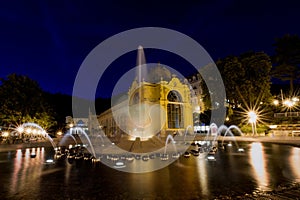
x,y
246,78
22,100
287,59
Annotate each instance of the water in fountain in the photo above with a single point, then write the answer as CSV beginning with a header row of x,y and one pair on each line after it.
x,y
34,125
214,130
141,64
85,139
99,142
141,75
100,136
66,136
189,127
170,137
231,134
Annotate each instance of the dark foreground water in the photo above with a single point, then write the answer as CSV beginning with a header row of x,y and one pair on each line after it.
x,y
262,167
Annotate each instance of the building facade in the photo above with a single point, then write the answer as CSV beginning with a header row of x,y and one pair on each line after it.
x,y
150,109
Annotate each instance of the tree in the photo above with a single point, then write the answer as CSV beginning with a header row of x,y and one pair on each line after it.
x,y
287,59
246,79
232,72
22,100
212,93
257,85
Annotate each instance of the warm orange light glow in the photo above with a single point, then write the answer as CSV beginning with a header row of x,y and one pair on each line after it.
x,y
294,160
5,134
28,130
276,102
295,99
288,103
20,129
59,133
258,162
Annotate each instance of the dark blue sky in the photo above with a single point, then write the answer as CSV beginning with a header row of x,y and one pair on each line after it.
x,y
49,40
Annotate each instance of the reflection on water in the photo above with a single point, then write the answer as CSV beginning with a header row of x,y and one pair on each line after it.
x,y
262,167
17,167
67,172
294,160
202,174
144,184
26,170
258,161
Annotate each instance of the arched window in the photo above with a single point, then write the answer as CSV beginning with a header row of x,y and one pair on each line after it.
x,y
175,110
174,96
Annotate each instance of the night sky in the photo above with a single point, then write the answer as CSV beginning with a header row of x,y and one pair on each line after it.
x,y
48,40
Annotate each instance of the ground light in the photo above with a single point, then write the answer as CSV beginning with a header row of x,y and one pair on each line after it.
x,y
49,161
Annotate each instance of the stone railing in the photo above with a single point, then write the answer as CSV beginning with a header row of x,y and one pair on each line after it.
x,y
287,114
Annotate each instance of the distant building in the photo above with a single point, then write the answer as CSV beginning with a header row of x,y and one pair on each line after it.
x,y
88,124
195,82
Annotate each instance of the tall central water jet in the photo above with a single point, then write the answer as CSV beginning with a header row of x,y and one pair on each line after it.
x,y
141,64
142,117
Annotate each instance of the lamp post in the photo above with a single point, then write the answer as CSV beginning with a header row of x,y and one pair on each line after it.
x,y
252,119
289,104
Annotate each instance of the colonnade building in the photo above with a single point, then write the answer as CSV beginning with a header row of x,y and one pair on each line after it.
x,y
151,109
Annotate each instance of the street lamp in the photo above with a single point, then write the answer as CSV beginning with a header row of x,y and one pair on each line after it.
x,y
288,103
59,133
5,134
276,102
252,119
28,130
20,129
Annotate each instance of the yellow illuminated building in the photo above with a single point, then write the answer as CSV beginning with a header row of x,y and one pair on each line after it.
x,y
170,97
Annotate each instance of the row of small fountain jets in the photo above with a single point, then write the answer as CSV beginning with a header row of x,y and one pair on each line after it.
x,y
80,153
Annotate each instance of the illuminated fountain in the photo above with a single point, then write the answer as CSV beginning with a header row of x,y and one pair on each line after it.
x,y
85,140
66,136
34,130
173,142
216,131
99,143
102,140
165,156
189,127
228,131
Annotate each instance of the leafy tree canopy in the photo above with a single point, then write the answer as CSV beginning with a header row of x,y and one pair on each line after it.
x,y
246,78
22,100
